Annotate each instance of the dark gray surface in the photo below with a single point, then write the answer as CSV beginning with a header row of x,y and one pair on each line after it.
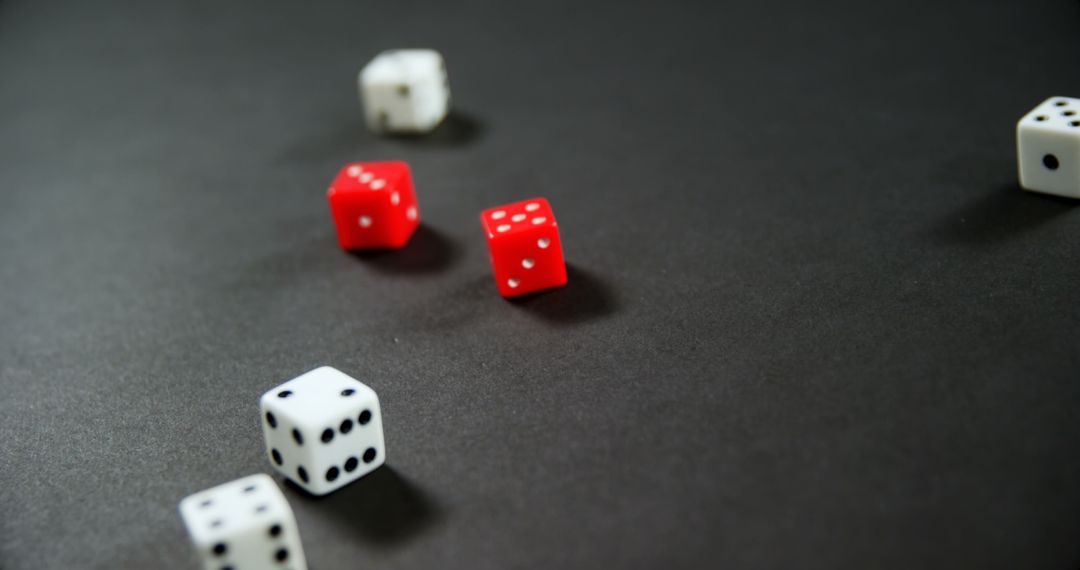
x,y
811,322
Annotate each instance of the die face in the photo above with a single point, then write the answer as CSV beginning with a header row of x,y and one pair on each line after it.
x,y
405,91
519,217
374,205
323,430
1048,148
366,177
525,247
245,523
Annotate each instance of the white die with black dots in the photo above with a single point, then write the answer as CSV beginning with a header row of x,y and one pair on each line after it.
x,y
405,91
246,523
1048,147
323,430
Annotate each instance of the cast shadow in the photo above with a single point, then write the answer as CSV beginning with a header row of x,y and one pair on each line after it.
x,y
428,251
383,507
458,129
585,297
1000,215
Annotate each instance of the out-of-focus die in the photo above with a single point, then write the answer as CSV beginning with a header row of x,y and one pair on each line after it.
x,y
1048,147
243,524
405,91
323,430
374,205
526,253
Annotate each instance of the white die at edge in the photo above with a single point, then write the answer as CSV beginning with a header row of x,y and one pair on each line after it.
x,y
317,404
1048,149
244,530
423,73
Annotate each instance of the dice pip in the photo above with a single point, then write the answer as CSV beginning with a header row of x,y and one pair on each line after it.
x,y
405,91
1048,147
374,205
243,524
323,430
524,245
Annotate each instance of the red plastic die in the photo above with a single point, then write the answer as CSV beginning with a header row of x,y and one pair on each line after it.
x,y
374,205
526,253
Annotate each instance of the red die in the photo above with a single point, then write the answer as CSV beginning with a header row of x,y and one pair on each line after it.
x,y
374,205
523,240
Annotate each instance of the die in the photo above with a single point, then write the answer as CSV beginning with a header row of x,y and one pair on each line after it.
x,y
524,246
1048,147
323,430
405,91
373,205
246,523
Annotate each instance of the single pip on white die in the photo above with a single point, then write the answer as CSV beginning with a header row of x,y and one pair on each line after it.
x,y
243,524
405,91
1048,147
323,430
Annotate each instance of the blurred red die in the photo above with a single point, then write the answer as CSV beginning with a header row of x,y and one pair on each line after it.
x,y
374,205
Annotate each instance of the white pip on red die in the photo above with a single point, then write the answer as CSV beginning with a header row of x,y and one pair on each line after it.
x,y
405,91
246,523
374,205
526,252
1048,147
323,430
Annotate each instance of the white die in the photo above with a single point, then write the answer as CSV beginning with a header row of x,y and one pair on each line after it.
x,y
1048,147
405,91
243,524
323,429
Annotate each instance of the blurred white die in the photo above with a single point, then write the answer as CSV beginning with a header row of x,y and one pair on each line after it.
x,y
323,429
1048,147
243,524
405,91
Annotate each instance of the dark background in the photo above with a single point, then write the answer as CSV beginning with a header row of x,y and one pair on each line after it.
x,y
811,321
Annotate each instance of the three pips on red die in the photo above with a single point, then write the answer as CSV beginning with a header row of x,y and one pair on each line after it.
x,y
374,207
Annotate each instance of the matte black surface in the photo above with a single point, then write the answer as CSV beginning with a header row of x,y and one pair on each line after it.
x,y
811,320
